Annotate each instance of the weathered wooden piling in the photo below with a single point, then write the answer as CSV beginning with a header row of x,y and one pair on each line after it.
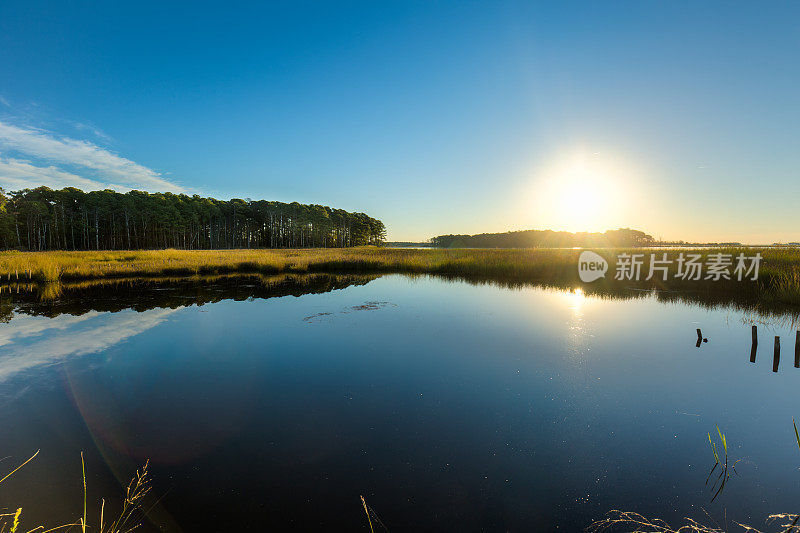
x,y
797,350
754,345
777,357
755,335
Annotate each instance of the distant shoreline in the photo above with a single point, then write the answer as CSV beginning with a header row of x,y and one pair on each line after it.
x,y
654,246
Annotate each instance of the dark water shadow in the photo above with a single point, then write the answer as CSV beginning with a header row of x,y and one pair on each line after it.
x,y
139,294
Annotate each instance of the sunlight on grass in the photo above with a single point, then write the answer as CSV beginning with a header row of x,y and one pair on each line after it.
x,y
129,518
779,277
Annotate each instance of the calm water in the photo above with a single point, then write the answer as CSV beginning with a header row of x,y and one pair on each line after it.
x,y
449,406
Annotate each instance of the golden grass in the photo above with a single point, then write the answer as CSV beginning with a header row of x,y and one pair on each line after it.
x,y
55,266
630,522
129,518
779,278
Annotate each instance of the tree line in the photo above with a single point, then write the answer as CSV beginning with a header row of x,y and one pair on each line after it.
x,y
71,219
623,237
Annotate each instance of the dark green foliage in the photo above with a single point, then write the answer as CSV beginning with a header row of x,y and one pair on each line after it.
x,y
70,219
624,237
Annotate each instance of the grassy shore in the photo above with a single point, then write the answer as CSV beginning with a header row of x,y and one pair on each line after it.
x,y
63,266
779,275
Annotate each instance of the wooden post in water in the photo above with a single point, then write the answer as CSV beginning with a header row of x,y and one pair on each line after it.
x,y
777,357
754,345
797,350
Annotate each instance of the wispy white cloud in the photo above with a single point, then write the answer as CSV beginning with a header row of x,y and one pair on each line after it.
x,y
4,101
25,326
94,130
32,342
105,168
16,174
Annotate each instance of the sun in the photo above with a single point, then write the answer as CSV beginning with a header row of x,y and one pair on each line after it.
x,y
581,192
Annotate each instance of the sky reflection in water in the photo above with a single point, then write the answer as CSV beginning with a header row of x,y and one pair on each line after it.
x,y
448,405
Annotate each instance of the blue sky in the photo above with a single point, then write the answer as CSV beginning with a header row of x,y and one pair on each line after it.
x,y
679,118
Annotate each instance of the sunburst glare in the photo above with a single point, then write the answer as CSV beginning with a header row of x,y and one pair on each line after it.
x,y
582,192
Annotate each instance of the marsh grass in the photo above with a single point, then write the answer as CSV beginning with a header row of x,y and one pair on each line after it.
x,y
129,518
722,462
366,511
779,275
796,434
774,299
507,263
373,520
62,266
632,522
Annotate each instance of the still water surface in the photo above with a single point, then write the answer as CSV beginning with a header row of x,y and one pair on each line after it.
x,y
449,406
